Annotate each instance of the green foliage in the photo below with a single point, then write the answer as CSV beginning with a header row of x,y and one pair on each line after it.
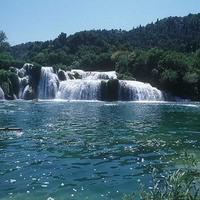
x,y
5,60
125,76
129,196
4,81
60,66
191,78
62,39
121,62
4,46
181,184
166,53
4,75
168,77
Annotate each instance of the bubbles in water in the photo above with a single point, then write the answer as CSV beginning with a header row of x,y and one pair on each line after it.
x,y
13,180
50,198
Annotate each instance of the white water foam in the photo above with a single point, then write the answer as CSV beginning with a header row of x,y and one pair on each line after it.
x,y
79,90
89,87
48,85
139,91
95,75
1,93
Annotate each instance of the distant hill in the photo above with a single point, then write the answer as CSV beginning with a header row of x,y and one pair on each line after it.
x,y
173,33
165,54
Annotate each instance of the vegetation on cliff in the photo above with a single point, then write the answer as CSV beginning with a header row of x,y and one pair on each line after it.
x,y
165,53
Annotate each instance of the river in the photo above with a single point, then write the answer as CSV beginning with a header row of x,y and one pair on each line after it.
x,y
91,149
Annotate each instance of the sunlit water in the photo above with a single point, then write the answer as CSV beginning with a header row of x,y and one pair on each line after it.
x,y
91,150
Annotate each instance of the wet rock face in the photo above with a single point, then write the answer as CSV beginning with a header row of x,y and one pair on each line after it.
x,y
61,75
109,90
10,97
29,93
24,82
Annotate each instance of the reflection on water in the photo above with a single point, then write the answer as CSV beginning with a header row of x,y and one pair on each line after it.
x,y
90,150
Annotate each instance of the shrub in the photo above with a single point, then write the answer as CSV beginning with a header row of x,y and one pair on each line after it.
x,y
181,184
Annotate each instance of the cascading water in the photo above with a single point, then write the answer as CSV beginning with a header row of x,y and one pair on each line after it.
x,y
48,85
86,88
24,77
80,90
1,93
139,91
91,86
45,83
95,75
82,85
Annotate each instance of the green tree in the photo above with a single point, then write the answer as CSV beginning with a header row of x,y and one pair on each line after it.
x,y
5,57
40,58
121,62
138,65
4,46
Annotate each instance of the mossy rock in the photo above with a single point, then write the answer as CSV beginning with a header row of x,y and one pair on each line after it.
x,y
77,75
61,75
70,76
5,87
15,84
29,93
13,69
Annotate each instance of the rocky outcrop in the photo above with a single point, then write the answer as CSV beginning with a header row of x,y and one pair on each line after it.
x,y
20,83
61,75
29,93
109,90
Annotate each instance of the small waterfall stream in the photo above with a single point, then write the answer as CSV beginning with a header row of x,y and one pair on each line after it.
x,y
48,85
79,90
1,93
139,91
89,86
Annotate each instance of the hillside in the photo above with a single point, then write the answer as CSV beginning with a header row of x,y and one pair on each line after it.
x,y
165,53
173,33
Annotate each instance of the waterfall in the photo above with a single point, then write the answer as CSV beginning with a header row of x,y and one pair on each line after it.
x,y
138,91
45,83
48,84
1,93
88,87
79,90
23,82
83,85
24,77
95,75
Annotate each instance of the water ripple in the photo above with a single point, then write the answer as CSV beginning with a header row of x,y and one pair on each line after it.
x,y
90,150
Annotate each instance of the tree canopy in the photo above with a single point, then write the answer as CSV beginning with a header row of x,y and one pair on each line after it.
x,y
165,53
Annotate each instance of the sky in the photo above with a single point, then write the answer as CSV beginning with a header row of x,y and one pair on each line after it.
x,y
41,20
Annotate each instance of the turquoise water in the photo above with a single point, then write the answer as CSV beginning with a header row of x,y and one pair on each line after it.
x,y
91,150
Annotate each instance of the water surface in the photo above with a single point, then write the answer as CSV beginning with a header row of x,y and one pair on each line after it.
x,y
91,149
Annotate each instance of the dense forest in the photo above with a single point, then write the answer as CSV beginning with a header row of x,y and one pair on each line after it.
x,y
165,54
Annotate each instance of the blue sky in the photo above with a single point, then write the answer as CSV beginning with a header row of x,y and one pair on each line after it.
x,y
41,20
